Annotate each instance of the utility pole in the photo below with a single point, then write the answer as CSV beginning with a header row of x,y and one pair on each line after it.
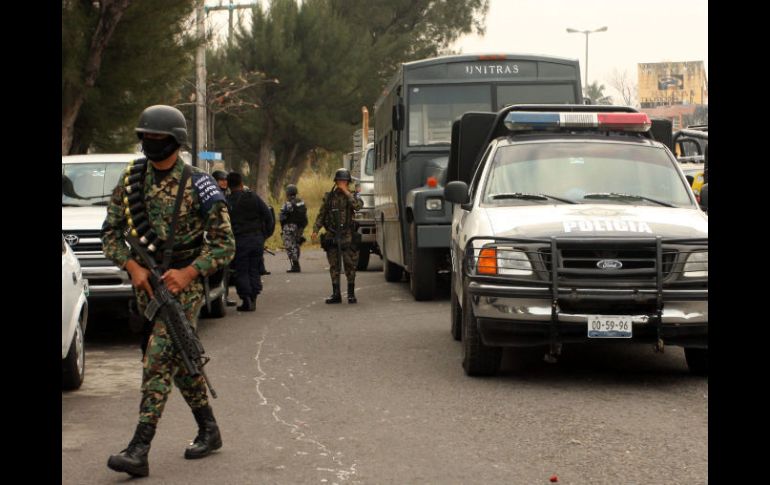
x,y
200,140
200,84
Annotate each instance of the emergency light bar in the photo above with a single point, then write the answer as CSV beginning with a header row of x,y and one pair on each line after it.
x,y
533,120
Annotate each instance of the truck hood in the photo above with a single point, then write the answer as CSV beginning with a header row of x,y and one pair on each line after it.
x,y
615,220
83,218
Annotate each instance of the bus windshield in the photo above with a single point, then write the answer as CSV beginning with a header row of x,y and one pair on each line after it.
x,y
432,109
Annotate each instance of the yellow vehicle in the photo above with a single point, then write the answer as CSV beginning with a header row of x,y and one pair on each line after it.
x,y
690,147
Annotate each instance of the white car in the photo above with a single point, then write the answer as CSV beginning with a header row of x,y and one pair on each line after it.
x,y
74,317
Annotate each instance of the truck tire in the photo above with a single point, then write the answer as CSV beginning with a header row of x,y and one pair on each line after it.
x,y
363,257
456,314
422,278
478,359
73,366
218,305
697,361
392,271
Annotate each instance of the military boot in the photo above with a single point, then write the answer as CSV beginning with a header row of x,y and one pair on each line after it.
x,y
208,438
336,296
352,293
294,267
133,460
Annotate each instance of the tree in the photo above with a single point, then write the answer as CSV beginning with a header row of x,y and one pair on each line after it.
x,y
107,80
595,91
331,57
624,84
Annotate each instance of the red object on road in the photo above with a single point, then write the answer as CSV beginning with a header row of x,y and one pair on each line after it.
x,y
554,479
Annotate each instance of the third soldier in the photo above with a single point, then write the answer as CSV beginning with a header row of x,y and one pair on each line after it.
x,y
336,215
293,221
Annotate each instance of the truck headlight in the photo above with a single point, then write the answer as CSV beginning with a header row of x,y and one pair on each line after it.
x,y
434,204
497,261
697,265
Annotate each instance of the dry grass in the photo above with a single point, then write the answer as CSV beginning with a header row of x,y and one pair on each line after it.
x,y
311,187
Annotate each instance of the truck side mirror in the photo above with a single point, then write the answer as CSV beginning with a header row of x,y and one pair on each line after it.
x,y
457,192
704,197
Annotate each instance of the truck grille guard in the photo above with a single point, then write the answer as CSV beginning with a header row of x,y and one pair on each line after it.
x,y
571,268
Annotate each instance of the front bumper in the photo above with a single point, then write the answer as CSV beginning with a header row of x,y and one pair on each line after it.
x,y
526,316
105,280
368,231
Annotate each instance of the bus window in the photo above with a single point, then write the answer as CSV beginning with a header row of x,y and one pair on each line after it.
x,y
535,94
433,108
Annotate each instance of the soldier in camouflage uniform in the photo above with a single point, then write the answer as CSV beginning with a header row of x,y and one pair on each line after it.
x,y
293,221
162,129
336,215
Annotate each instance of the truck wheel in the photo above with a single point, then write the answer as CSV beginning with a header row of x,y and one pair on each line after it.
x,y
456,315
73,366
697,361
478,359
422,279
392,271
363,257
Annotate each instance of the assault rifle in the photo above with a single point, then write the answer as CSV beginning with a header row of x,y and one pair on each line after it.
x,y
178,327
338,235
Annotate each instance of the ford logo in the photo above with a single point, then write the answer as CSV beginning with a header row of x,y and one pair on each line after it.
x,y
609,264
71,239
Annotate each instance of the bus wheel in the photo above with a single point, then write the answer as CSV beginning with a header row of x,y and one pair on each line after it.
x,y
363,257
422,279
392,271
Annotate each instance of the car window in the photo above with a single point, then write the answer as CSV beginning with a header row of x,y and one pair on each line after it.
x,y
573,170
87,184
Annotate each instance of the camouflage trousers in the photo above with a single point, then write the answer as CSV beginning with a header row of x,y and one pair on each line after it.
x,y
163,365
349,259
290,234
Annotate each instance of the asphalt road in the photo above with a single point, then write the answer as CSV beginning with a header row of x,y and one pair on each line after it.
x,y
375,393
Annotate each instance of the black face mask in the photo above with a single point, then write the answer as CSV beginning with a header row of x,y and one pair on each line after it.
x,y
159,150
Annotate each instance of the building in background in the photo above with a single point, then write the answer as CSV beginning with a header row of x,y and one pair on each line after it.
x,y
674,90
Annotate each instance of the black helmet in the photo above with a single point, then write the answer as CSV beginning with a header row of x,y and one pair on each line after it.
x,y
163,120
291,190
342,174
219,175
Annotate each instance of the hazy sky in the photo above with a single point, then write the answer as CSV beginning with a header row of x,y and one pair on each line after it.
x,y
637,31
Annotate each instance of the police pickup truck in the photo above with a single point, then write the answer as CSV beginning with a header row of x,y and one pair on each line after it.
x,y
571,224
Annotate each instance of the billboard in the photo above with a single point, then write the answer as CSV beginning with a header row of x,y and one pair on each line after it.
x,y
672,83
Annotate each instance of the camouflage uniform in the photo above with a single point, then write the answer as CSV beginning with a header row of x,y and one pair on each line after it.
x,y
347,205
291,228
203,209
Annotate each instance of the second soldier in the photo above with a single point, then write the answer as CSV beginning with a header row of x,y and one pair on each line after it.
x,y
336,216
293,221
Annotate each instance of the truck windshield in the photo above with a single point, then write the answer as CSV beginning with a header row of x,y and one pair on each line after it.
x,y
88,184
585,172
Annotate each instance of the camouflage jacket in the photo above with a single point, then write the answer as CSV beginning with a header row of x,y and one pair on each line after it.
x,y
203,210
347,205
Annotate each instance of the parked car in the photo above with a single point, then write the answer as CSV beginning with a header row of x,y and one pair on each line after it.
x,y
74,317
87,184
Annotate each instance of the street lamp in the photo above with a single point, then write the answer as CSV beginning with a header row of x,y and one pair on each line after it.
x,y
573,31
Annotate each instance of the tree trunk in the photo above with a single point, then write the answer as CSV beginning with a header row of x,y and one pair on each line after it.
x,y
110,14
263,170
299,165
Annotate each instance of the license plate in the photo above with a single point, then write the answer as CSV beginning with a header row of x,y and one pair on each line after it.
x,y
609,326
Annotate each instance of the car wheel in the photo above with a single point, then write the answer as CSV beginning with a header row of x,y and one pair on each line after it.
x,y
422,276
456,314
363,257
697,361
478,359
74,364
